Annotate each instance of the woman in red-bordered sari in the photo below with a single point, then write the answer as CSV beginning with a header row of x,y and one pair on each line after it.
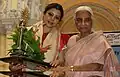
x,y
51,39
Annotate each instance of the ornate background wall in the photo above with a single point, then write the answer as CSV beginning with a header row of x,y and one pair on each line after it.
x,y
106,14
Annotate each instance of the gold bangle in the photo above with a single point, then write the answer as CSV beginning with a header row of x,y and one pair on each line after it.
x,y
71,68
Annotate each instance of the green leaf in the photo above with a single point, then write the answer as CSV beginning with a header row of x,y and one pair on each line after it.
x,y
29,45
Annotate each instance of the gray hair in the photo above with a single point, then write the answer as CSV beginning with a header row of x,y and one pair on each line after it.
x,y
87,8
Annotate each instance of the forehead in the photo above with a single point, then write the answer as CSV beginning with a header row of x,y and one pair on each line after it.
x,y
82,14
54,11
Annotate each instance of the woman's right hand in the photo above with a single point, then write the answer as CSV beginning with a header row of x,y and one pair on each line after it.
x,y
17,67
41,68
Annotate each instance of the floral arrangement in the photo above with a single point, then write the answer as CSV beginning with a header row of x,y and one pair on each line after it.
x,y
28,46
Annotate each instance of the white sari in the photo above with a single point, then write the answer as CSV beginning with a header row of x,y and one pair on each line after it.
x,y
90,49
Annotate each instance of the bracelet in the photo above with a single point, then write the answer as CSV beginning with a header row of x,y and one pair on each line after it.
x,y
71,68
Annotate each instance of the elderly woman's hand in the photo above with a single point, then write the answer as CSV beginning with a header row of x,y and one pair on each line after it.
x,y
57,74
59,71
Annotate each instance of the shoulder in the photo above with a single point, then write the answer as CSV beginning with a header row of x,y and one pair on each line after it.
x,y
104,41
71,41
99,36
73,37
103,38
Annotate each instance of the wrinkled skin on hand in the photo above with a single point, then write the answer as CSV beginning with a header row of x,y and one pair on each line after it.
x,y
41,68
17,67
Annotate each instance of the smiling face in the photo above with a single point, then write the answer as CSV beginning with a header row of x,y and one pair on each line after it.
x,y
52,17
83,21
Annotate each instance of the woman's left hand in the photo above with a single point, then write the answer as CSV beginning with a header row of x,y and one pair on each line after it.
x,y
55,63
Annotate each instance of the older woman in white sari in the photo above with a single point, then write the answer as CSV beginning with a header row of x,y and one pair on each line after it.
x,y
88,54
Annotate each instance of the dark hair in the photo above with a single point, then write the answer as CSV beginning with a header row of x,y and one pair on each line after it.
x,y
54,5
